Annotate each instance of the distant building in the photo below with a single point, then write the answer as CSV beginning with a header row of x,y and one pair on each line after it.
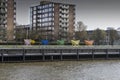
x,y
7,19
118,30
54,20
22,32
22,27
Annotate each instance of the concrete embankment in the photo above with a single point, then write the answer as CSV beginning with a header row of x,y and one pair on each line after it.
x,y
57,53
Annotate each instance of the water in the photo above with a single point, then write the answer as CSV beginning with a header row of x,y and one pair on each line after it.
x,y
62,70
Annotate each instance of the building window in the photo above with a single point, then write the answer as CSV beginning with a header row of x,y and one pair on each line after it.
x,y
34,25
46,10
34,12
39,7
40,20
34,8
46,6
50,9
34,17
50,5
39,11
34,21
50,23
46,15
38,24
51,14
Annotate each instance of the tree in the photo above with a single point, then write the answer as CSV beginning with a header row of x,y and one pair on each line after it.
x,y
113,35
20,34
81,31
34,34
82,35
80,26
98,36
2,34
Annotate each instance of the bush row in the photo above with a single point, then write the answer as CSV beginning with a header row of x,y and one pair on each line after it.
x,y
36,43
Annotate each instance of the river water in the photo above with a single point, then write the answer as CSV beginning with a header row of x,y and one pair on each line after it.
x,y
61,70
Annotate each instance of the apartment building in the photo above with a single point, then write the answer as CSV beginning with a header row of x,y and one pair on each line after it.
x,y
7,19
53,20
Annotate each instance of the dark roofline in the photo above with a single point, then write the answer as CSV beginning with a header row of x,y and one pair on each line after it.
x,y
55,3
46,2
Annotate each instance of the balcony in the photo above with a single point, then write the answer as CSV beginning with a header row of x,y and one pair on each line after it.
x,y
65,11
2,16
3,11
3,6
64,16
64,6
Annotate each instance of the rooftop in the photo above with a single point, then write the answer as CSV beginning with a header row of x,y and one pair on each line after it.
x,y
47,2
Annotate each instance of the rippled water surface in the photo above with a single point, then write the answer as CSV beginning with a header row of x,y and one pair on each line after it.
x,y
63,70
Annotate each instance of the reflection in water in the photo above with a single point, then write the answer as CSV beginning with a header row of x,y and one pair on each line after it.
x,y
63,70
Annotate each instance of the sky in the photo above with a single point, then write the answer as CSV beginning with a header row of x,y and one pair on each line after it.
x,y
93,13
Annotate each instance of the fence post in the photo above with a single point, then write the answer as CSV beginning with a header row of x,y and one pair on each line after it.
x,y
43,54
119,53
2,56
51,57
24,51
93,54
61,57
77,54
106,53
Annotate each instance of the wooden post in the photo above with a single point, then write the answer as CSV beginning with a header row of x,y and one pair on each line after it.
x,y
106,53
77,54
24,51
8,55
40,51
61,57
119,53
51,57
93,54
43,55
2,57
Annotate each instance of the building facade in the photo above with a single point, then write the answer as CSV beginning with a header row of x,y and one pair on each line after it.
x,y
7,19
54,20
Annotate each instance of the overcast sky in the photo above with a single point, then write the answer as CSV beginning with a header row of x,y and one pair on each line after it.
x,y
93,13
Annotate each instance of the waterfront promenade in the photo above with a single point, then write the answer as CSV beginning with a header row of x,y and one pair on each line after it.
x,y
24,53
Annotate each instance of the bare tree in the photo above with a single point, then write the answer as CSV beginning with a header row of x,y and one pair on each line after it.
x,y
81,31
80,26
